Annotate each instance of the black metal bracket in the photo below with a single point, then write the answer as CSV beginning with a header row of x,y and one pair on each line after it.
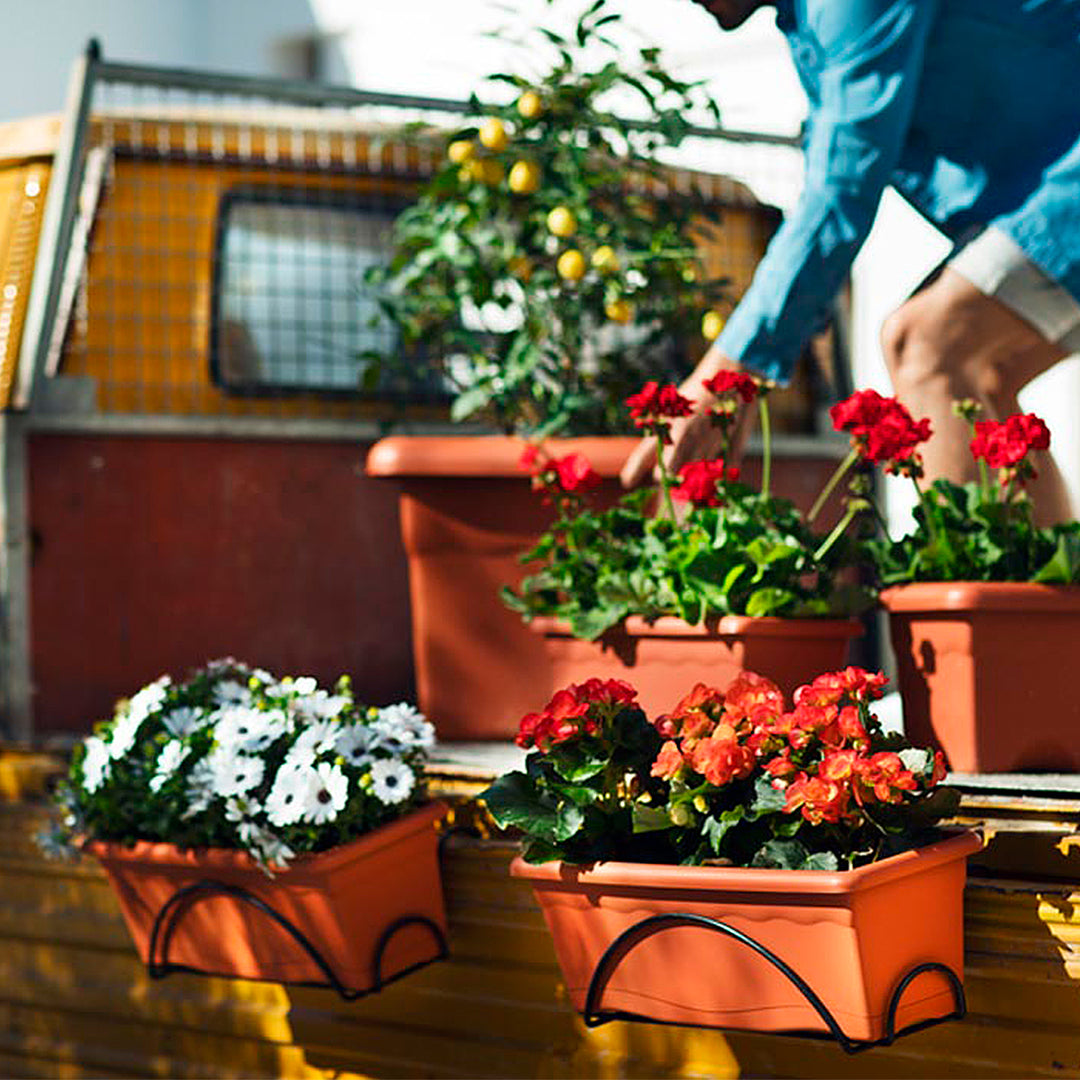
x,y
654,924
174,909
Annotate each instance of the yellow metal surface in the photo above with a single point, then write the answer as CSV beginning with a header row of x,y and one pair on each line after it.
x,y
74,1000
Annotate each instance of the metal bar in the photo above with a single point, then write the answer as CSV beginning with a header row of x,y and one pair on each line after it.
x,y
654,924
317,94
56,226
16,689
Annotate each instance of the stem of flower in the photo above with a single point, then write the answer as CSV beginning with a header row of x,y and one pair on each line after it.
x,y
766,446
665,476
830,486
921,496
854,507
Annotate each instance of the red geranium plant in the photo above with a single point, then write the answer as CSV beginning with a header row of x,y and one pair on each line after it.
x,y
726,550
979,531
729,777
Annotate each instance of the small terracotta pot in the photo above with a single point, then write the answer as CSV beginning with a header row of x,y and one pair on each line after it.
x,y
665,659
984,670
852,936
342,900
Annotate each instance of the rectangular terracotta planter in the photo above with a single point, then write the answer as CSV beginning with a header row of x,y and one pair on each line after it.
x,y
852,936
984,672
665,659
342,900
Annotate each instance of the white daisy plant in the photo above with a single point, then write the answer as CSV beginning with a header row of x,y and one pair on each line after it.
x,y
237,757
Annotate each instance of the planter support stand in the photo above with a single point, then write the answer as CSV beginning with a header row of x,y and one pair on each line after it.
x,y
637,933
174,909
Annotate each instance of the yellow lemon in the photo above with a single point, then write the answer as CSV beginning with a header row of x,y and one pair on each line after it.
x,y
530,105
571,265
460,151
712,322
524,177
605,260
493,134
620,311
561,222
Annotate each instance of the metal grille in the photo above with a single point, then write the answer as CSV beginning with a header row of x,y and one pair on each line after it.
x,y
211,251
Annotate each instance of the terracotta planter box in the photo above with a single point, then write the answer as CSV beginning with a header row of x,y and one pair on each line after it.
x,y
665,659
984,672
467,513
852,936
342,900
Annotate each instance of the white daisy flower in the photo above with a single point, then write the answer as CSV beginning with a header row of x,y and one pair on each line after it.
x,y
200,788
300,756
185,720
288,798
318,737
269,850
235,773
355,743
304,685
148,699
391,781
97,763
240,808
405,727
231,692
328,794
320,705
169,760
248,730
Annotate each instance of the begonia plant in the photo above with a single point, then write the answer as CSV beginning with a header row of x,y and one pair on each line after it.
x,y
699,545
234,757
728,777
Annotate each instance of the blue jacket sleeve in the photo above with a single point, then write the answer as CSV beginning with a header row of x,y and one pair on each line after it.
x,y
869,55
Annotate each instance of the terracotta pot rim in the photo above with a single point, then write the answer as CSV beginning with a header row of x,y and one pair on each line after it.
x,y
682,879
487,455
163,853
981,596
670,626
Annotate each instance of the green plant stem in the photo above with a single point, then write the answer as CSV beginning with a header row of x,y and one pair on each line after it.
x,y
855,506
665,477
921,496
766,446
830,486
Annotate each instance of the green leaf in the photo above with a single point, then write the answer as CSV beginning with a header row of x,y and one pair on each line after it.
x,y
767,799
820,860
469,402
590,624
768,601
716,826
576,763
781,855
514,801
650,818
1064,565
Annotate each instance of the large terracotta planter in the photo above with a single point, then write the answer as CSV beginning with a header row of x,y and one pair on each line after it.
x,y
342,901
467,512
984,672
665,659
852,936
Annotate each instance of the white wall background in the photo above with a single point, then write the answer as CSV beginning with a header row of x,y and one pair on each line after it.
x,y
438,47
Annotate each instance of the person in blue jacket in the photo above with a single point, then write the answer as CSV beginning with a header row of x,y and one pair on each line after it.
x,y
971,110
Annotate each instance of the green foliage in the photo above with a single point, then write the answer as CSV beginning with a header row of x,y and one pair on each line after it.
x,y
474,285
753,556
971,533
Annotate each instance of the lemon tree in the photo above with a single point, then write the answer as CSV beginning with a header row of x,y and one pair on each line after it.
x,y
539,270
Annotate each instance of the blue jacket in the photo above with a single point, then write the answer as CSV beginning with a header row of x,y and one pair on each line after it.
x,y
969,108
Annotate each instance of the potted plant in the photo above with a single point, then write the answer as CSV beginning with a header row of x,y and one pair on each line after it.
x,y
697,579
808,834
981,601
263,828
551,265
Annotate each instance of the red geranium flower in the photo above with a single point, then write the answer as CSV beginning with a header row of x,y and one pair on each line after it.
x,y
698,480
819,799
1005,443
881,429
733,382
575,474
721,758
654,401
883,776
749,690
853,682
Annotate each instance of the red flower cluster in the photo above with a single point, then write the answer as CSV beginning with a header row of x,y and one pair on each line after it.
x,y
733,382
698,481
882,430
560,477
575,474
1004,444
654,402
576,711
818,754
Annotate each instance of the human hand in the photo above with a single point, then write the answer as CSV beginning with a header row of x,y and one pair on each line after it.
x,y
694,437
